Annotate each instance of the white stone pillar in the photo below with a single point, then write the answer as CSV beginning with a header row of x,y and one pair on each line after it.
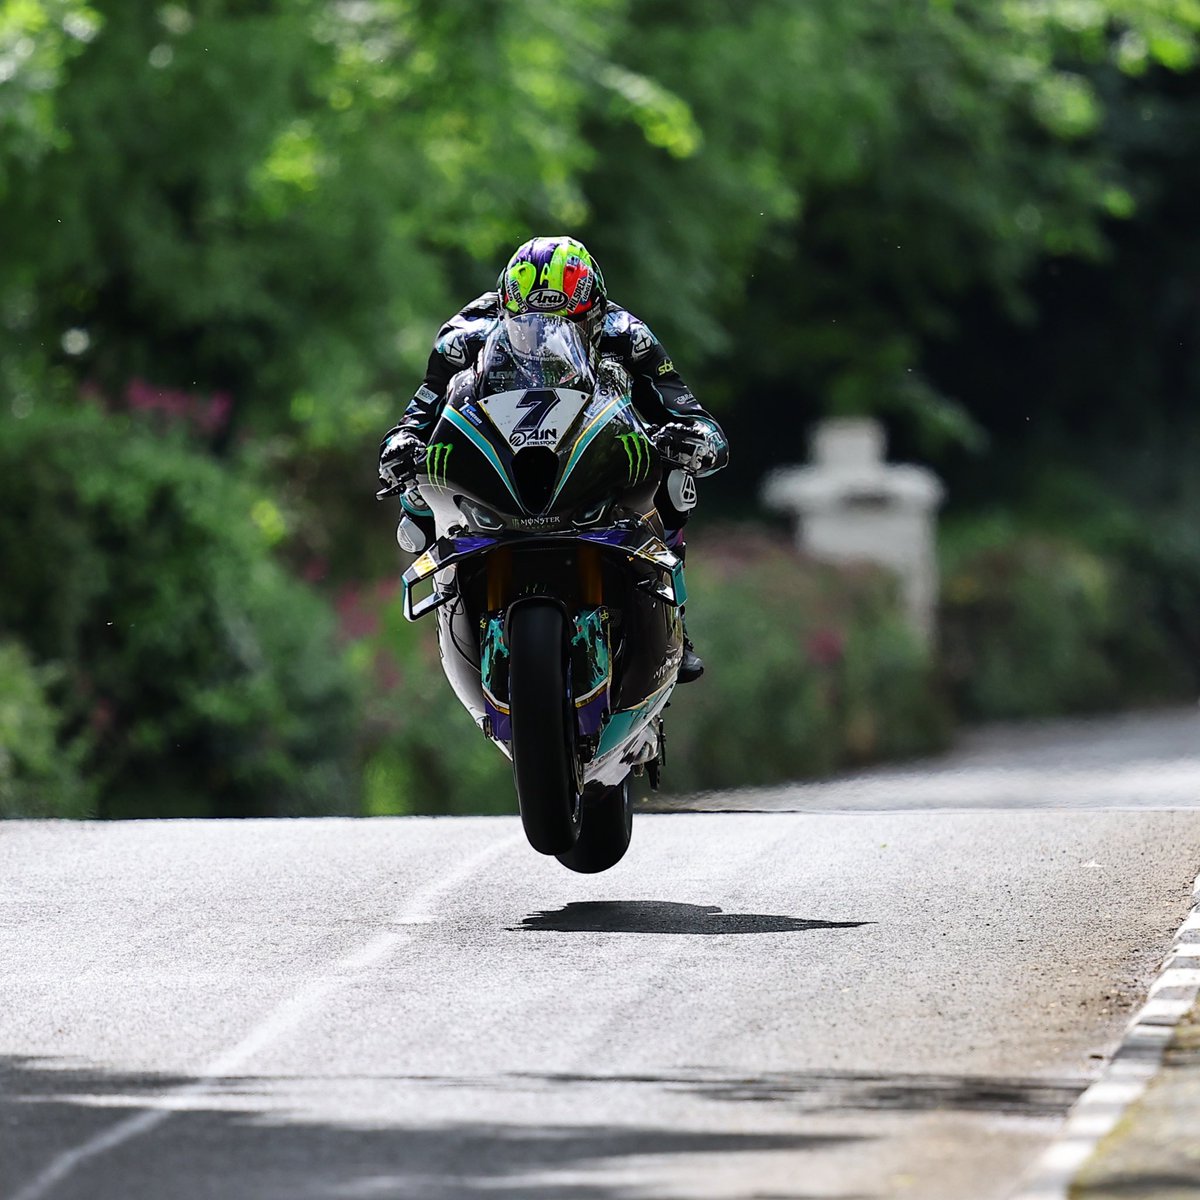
x,y
851,504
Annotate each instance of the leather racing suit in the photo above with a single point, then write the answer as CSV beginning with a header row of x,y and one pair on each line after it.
x,y
660,395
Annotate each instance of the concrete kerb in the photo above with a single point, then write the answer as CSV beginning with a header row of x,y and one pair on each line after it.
x,y
1129,1072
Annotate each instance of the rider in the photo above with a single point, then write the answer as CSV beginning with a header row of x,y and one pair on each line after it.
x,y
556,276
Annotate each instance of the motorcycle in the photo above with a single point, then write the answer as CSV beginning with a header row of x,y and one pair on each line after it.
x,y
557,598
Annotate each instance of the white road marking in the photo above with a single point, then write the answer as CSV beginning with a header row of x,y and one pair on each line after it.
x,y
1188,950
278,1022
1130,1071
1169,1010
1177,977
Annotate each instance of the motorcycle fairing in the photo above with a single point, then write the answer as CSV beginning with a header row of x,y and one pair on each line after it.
x,y
623,724
591,669
608,411
633,541
445,552
453,416
591,673
472,455
534,417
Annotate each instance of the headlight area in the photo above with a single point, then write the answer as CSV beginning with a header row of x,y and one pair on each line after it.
x,y
479,517
592,514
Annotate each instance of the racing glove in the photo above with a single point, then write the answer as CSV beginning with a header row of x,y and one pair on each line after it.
x,y
399,455
690,445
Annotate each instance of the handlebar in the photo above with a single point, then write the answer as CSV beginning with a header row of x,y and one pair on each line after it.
x,y
407,484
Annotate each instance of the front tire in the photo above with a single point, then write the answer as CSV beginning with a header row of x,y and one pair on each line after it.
x,y
607,826
543,727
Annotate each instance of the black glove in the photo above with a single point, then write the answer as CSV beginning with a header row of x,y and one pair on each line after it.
x,y
398,458
685,445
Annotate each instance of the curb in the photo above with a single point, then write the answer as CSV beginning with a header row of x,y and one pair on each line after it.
x,y
1129,1072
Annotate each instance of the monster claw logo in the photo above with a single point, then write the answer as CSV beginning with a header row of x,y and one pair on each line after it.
x,y
437,459
637,450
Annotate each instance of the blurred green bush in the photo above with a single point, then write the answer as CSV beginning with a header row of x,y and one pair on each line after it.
x,y
1037,624
811,668
420,750
207,680
1161,557
39,776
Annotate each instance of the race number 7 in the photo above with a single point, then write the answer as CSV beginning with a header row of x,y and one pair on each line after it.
x,y
539,405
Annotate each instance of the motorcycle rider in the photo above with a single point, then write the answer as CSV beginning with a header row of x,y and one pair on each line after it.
x,y
556,276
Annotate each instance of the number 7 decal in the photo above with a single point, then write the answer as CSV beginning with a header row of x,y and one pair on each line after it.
x,y
539,405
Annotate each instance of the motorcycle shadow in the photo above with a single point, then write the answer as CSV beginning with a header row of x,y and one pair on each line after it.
x,y
666,916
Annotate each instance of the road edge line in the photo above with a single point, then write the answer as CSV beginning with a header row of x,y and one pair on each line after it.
x,y
1129,1072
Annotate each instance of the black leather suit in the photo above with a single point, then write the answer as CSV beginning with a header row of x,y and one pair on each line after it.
x,y
659,393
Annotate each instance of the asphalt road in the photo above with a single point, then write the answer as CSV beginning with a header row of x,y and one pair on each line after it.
x,y
844,1000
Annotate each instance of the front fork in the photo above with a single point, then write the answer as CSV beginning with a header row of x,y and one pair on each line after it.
x,y
590,650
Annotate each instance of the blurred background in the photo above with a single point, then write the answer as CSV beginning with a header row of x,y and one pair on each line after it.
x,y
231,228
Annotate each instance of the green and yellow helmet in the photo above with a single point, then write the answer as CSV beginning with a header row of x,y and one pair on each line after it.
x,y
553,276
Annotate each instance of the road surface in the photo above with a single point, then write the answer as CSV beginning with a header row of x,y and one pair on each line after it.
x,y
810,993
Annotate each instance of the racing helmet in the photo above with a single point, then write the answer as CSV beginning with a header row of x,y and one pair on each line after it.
x,y
555,277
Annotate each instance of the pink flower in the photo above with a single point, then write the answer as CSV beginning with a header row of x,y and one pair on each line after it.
x,y
206,414
220,407
826,647
387,672
357,621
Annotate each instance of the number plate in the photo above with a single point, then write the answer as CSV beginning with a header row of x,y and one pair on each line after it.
x,y
535,418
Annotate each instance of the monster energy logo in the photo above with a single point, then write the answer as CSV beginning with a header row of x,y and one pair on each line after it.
x,y
637,450
437,459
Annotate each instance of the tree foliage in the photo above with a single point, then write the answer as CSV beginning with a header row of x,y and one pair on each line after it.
x,y
281,200
864,167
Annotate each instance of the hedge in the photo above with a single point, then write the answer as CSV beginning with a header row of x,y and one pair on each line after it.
x,y
39,769
207,680
1039,625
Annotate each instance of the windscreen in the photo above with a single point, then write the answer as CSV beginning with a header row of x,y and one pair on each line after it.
x,y
532,351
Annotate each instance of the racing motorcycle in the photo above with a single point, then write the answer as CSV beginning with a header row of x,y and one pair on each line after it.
x,y
557,598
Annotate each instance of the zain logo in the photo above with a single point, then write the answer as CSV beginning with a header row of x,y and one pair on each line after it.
x,y
637,450
437,459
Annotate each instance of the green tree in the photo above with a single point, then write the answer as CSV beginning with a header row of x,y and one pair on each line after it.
x,y
860,168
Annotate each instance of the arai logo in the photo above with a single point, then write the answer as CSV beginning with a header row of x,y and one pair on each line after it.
x,y
547,298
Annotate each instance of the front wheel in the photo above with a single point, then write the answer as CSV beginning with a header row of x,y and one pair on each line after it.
x,y
607,826
543,727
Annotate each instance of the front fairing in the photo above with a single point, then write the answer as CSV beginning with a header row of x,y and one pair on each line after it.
x,y
555,457
428,582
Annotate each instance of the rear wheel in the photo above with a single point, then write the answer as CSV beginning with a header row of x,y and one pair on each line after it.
x,y
543,727
607,825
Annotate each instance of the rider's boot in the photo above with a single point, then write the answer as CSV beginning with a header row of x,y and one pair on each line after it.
x,y
692,665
